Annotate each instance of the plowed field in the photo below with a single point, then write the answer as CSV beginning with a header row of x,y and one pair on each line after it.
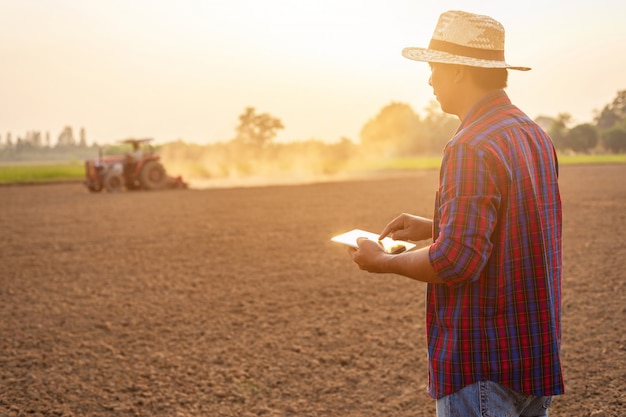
x,y
233,302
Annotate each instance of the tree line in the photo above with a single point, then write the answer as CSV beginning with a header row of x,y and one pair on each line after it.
x,y
396,131
35,146
607,134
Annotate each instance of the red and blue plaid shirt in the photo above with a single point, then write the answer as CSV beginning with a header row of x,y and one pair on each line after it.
x,y
497,246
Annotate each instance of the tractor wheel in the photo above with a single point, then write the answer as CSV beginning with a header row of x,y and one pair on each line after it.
x,y
113,182
152,176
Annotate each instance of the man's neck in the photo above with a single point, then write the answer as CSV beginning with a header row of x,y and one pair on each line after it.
x,y
472,96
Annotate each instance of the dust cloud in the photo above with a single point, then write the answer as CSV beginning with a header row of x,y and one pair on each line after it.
x,y
236,165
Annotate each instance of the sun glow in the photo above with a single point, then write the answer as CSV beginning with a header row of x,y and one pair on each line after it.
x,y
185,70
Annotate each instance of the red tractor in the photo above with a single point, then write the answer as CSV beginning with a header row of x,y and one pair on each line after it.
x,y
139,169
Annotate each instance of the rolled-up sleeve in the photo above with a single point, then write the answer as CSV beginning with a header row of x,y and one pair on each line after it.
x,y
467,213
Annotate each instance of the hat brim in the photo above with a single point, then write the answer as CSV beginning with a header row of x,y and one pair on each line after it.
x,y
431,55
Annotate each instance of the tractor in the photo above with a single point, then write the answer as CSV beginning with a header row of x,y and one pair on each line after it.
x,y
139,169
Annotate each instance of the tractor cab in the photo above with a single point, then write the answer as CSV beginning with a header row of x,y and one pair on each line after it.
x,y
135,159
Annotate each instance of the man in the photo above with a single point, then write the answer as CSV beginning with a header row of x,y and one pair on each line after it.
x,y
136,154
494,266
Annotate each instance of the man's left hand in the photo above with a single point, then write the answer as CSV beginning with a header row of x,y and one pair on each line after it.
x,y
370,255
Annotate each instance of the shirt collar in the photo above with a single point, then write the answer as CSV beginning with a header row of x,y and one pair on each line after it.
x,y
488,102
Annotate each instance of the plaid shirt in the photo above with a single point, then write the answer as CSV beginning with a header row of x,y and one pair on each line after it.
x,y
497,246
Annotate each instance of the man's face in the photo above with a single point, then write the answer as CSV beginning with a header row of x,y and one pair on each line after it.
x,y
442,81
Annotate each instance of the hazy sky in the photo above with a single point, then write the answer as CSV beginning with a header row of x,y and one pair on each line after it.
x,y
188,68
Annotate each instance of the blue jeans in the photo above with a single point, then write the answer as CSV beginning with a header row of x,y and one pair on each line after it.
x,y
490,399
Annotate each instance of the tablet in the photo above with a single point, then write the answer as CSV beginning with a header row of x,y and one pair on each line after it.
x,y
389,245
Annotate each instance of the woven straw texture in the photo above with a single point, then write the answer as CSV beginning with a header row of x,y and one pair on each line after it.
x,y
466,30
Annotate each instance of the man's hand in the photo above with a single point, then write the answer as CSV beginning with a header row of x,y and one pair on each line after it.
x,y
408,227
370,255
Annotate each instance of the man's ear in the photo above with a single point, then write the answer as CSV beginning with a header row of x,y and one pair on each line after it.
x,y
460,73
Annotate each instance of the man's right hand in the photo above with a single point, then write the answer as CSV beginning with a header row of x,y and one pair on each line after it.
x,y
408,227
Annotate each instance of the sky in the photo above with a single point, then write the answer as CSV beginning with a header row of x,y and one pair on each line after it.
x,y
186,69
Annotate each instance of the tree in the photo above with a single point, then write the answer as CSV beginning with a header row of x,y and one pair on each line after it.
x,y
545,122
614,139
83,138
256,130
612,113
392,131
66,137
558,130
582,138
33,138
437,127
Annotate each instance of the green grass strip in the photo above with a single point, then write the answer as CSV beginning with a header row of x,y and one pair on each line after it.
x,y
592,159
40,173
33,172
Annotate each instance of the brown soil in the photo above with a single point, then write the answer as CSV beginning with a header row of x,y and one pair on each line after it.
x,y
233,302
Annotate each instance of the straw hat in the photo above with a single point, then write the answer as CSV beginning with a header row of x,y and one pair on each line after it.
x,y
465,39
